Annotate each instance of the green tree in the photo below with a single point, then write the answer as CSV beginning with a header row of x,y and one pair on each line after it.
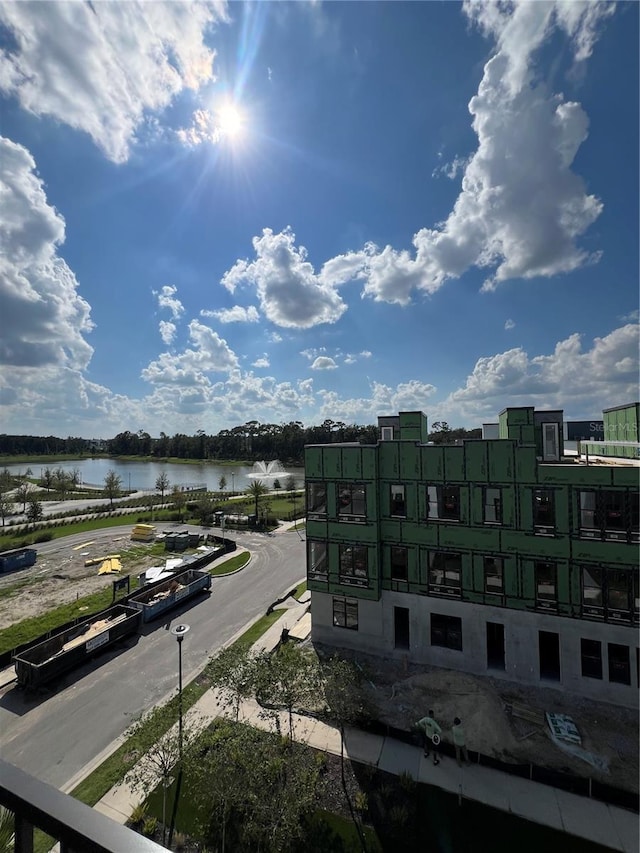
x,y
204,510
290,483
7,830
222,483
6,506
6,480
21,495
160,760
233,672
344,705
162,484
34,510
253,788
287,678
277,485
47,478
112,486
178,499
256,490
61,482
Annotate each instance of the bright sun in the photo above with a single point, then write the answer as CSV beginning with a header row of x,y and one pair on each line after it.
x,y
230,121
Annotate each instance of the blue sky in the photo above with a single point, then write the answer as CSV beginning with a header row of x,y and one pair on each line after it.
x,y
215,213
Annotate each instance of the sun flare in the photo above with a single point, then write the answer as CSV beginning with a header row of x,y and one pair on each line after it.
x,y
231,121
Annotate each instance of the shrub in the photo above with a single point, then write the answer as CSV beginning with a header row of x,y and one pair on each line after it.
x,y
43,537
399,815
150,826
406,781
139,814
180,841
361,801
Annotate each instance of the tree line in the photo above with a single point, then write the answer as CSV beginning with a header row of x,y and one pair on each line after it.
x,y
250,441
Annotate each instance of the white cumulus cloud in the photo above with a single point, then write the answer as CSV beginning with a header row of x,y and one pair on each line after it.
x,y
43,317
522,209
574,378
323,362
167,331
290,293
237,314
509,324
210,354
103,67
167,299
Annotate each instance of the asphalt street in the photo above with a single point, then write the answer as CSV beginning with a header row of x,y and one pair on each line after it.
x,y
54,735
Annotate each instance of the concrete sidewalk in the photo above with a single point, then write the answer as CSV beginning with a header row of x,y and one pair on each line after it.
x,y
592,820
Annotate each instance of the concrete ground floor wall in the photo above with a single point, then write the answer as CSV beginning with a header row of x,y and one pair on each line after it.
x,y
536,649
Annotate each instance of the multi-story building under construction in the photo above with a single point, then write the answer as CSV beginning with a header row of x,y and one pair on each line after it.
x,y
501,557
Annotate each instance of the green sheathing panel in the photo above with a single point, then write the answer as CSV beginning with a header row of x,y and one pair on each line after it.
x,y
517,424
389,460
433,464
413,426
476,461
621,424
474,465
563,580
501,473
332,462
313,463
604,553
352,463
526,464
409,463
453,460
544,547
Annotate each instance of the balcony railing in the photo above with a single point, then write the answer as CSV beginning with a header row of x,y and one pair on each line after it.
x,y
78,828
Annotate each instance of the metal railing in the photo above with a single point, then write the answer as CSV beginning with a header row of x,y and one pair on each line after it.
x,y
78,828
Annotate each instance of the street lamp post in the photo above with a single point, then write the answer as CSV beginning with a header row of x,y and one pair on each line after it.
x,y
178,632
233,483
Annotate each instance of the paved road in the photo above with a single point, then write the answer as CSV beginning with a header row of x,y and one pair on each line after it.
x,y
54,736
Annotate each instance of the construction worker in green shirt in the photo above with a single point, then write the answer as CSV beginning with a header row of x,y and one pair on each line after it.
x,y
459,742
431,732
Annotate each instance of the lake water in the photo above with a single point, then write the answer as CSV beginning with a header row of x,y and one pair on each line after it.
x,y
143,475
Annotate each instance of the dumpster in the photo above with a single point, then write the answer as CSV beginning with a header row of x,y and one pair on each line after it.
x,y
20,558
73,646
157,599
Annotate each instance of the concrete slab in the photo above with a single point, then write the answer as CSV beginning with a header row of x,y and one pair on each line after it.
x,y
397,757
118,803
303,728
588,819
302,628
325,738
487,786
363,746
535,802
627,829
445,775
7,676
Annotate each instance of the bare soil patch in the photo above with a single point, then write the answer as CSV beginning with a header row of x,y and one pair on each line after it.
x,y
62,577
400,696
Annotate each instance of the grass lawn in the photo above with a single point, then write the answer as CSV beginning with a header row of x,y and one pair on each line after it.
x,y
29,629
232,565
21,540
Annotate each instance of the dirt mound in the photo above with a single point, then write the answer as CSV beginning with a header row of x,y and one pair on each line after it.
x,y
507,721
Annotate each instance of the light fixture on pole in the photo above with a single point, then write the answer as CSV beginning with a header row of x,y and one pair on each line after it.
x,y
178,632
